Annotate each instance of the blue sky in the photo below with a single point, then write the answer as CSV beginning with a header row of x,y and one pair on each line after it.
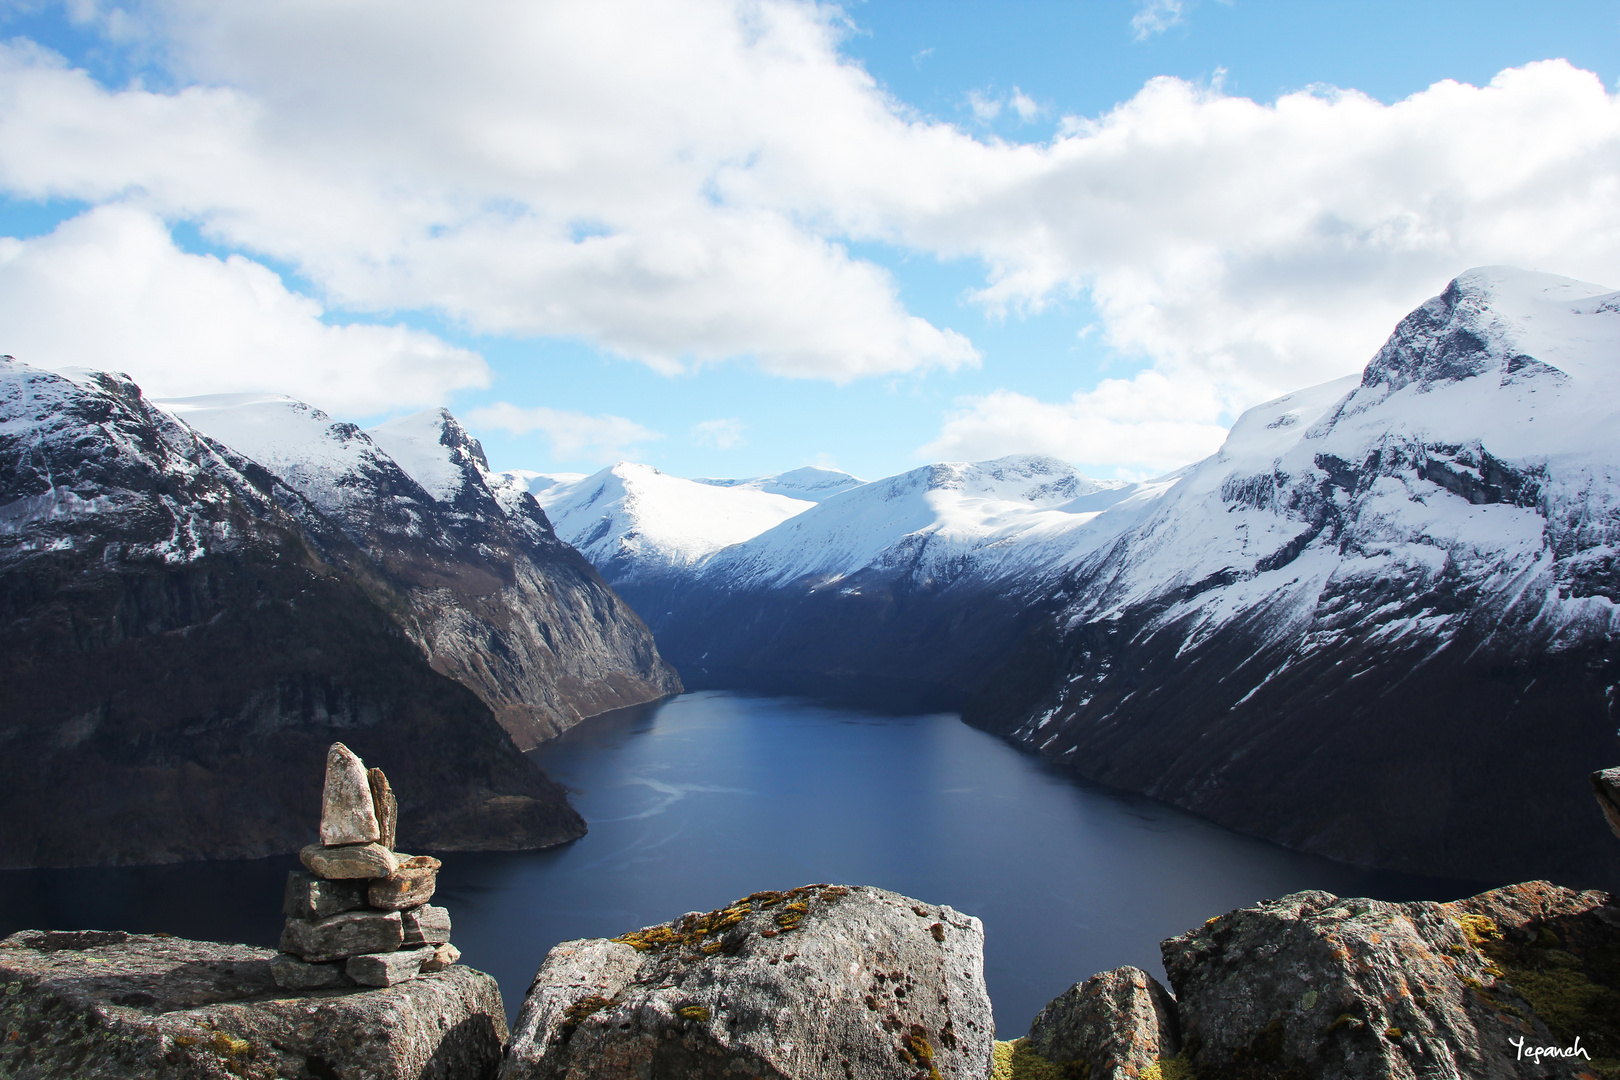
x,y
733,238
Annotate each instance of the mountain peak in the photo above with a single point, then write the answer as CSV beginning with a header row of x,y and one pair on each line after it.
x,y
1517,324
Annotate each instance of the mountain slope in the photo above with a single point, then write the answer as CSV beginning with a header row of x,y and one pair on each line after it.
x,y
496,601
1381,623
639,525
903,591
182,636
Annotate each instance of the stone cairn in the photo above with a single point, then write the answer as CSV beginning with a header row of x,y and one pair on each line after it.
x,y
360,913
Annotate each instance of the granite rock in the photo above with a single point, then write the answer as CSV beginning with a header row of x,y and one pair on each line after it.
x,y
385,806
311,897
1606,786
389,968
349,933
820,983
347,813
292,973
113,1006
410,885
357,861
1118,1023
1319,986
426,925
443,956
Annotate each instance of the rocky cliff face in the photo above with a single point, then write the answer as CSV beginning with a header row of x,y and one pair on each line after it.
x,y
1377,620
1513,983
183,635
494,599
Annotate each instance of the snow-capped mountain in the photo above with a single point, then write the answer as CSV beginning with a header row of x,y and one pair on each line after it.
x,y
812,483
497,601
892,584
1381,622
185,634
1015,516
637,524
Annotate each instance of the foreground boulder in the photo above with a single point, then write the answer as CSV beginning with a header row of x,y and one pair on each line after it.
x,y
109,1004
1118,1024
819,983
1522,981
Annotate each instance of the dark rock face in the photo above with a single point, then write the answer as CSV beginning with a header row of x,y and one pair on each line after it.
x,y
820,983
485,588
1118,1024
181,639
76,1004
1388,607
876,638
1313,985
503,606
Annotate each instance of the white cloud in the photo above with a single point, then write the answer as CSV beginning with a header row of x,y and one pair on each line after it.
x,y
110,290
1146,425
721,434
1023,105
574,436
680,180
550,169
1157,16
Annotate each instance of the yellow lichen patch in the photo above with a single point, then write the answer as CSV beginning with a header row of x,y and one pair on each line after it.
x,y
1017,1060
582,1008
1169,1068
694,1012
1479,929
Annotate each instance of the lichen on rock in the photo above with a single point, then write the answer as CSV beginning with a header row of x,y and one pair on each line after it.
x,y
815,983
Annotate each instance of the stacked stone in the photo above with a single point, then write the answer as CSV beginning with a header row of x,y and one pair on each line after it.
x,y
360,912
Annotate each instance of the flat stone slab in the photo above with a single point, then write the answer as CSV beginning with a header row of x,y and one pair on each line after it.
x,y
311,897
354,861
293,973
338,937
411,885
426,925
113,1005
386,969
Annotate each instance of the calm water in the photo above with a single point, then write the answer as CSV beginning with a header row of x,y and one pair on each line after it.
x,y
711,796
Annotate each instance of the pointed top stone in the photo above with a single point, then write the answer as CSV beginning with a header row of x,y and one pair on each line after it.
x,y
347,813
385,806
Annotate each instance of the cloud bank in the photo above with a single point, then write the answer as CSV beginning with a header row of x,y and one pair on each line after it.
x,y
681,181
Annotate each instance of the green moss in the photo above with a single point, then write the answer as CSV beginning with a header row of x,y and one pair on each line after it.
x,y
1570,987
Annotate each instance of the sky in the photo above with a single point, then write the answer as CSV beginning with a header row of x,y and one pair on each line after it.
x,y
734,237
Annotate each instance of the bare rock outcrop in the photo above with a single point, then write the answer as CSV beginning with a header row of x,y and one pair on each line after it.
x,y
1522,981
818,983
1118,1024
113,1005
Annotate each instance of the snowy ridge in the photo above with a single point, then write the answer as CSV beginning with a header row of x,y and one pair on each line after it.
x,y
1020,515
1480,443
632,520
334,465
434,450
812,483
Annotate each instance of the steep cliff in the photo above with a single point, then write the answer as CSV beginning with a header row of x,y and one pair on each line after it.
x,y
182,637
495,600
1377,621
